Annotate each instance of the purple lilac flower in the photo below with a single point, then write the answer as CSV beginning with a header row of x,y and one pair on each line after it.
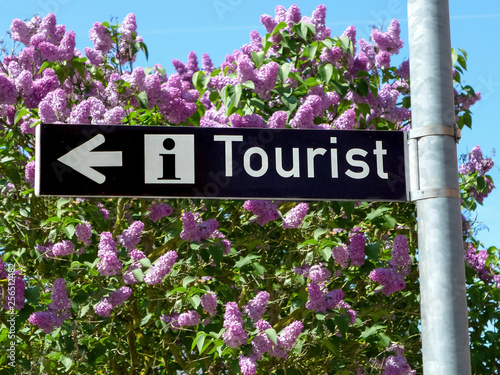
x,y
131,236
66,48
341,255
333,299
277,120
389,41
318,274
287,339
234,335
29,173
189,318
209,303
206,64
128,276
357,244
248,366
316,301
109,264
304,117
248,121
214,118
45,320
294,217
8,92
58,309
93,55
400,255
65,247
389,278
84,232
476,162
346,120
397,365
257,306
101,37
20,32
19,289
160,268
158,211
261,343
52,108
266,211
106,304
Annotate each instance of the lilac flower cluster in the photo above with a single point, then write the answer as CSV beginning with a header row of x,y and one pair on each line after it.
x,y
287,339
109,264
29,173
19,288
195,229
477,261
189,318
65,247
58,309
209,303
83,232
257,306
131,236
160,268
400,255
320,299
234,334
294,217
128,277
106,304
357,244
341,256
266,211
476,163
392,278
158,211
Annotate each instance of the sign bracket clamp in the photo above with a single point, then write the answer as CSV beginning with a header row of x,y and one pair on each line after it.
x,y
416,193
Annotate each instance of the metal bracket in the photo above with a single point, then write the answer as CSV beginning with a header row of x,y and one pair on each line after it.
x,y
416,193
424,131
434,193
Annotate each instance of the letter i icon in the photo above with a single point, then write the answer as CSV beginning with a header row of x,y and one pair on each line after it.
x,y
168,161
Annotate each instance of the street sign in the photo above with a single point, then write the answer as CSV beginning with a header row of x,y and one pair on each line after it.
x,y
220,163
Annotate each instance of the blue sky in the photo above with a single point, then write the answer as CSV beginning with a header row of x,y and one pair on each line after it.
x,y
171,29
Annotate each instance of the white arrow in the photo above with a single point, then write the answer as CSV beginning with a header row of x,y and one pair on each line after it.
x,y
82,159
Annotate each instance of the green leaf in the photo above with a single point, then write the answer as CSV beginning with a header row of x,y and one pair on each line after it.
x,y
370,331
201,341
84,310
146,319
46,64
283,72
246,260
258,58
311,81
319,232
271,334
195,300
187,280
138,274
278,27
145,262
69,231
66,361
20,113
325,72
326,252
378,212
142,98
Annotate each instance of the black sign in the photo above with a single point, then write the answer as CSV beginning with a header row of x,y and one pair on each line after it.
x,y
222,163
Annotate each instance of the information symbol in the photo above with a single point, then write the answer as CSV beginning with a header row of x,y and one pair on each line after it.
x,y
168,161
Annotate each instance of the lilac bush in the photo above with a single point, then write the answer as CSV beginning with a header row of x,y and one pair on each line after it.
x,y
316,287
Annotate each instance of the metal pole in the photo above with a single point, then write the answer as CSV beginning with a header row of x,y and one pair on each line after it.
x,y
445,337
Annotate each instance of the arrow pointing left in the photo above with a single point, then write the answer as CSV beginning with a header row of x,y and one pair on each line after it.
x,y
83,160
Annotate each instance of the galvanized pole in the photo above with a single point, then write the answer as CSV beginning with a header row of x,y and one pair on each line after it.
x,y
445,337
